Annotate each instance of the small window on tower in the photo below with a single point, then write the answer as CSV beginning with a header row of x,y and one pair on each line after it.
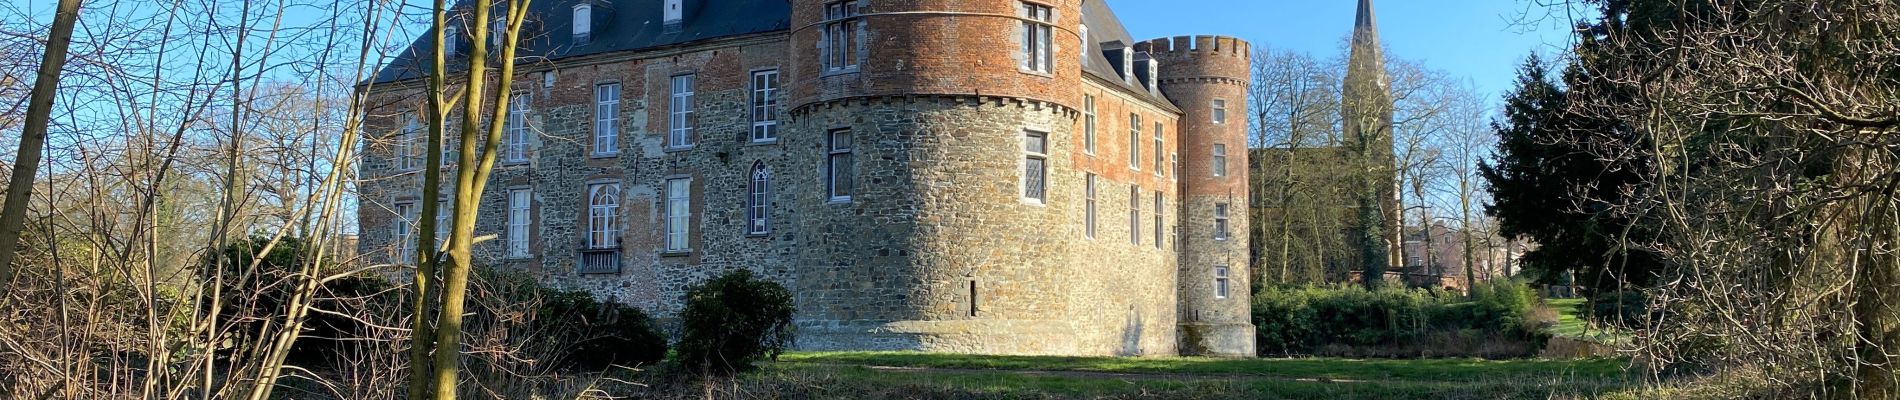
x,y
1220,111
1037,30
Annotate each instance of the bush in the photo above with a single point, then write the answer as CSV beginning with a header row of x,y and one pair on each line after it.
x,y
1353,321
1625,309
569,327
733,320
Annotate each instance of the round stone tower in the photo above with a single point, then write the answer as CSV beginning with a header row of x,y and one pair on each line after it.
x,y
1207,76
918,120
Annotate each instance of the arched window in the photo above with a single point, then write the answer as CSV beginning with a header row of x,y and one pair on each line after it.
x,y
583,23
603,215
759,200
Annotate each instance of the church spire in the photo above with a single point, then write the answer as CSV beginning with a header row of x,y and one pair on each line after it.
x,y
1365,38
1366,24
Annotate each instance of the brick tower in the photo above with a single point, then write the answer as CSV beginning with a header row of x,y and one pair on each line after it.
x,y
1207,77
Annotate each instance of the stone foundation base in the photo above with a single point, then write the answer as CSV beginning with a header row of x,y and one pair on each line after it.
x,y
1000,337
1217,339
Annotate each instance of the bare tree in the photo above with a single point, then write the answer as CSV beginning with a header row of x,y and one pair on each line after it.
x,y
33,136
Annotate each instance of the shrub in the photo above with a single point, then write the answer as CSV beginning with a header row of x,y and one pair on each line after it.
x,y
1625,309
569,327
733,320
1353,321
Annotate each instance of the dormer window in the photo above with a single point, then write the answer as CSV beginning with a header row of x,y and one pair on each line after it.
x,y
673,15
495,32
1083,33
450,36
583,23
1036,33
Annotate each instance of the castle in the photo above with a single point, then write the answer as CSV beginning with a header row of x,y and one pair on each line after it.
x,y
971,176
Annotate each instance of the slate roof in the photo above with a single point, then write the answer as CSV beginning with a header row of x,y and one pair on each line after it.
x,y
1105,28
618,25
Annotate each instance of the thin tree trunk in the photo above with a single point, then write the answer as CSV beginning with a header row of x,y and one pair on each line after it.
x,y
422,337
39,110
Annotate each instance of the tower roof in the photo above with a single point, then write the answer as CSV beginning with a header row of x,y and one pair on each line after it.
x,y
1367,59
1366,23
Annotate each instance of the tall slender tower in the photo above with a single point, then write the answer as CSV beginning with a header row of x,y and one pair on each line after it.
x,y
1207,77
1367,108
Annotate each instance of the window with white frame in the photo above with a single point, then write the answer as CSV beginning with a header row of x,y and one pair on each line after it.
x,y
409,143
1089,207
1220,111
603,216
1220,282
583,23
842,29
1160,155
1134,141
679,212
1220,221
405,232
1088,123
1174,166
759,200
1220,159
1083,35
1035,166
441,222
679,120
495,30
839,169
1037,29
517,137
520,202
1134,215
606,119
450,37
1160,213
765,106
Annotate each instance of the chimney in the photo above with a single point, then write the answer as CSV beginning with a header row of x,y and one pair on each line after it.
x,y
675,15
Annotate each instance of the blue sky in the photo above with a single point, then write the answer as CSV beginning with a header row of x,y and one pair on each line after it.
x,y
1480,40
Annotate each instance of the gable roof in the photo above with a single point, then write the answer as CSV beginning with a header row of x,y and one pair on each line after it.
x,y
1105,28
617,25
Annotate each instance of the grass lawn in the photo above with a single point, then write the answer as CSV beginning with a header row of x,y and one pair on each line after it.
x,y
948,376
1570,324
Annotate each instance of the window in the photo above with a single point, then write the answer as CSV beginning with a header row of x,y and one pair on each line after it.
x,y
517,141
450,37
1036,33
1160,157
583,23
1035,166
759,200
1220,111
679,212
606,119
495,32
1134,141
765,106
1083,34
679,120
1160,213
843,27
405,232
1088,123
1220,282
603,216
1220,221
409,143
1089,213
838,165
519,201
973,298
441,223
1134,215
1220,159
1174,166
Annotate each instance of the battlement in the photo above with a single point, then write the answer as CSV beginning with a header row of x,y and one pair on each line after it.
x,y
1195,46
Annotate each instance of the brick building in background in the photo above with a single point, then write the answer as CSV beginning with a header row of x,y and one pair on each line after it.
x,y
994,176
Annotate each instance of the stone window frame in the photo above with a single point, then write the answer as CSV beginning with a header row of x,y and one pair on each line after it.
x,y
1222,282
680,200
1174,166
1088,127
1037,46
1034,185
1134,141
1089,207
408,152
405,213
516,128
1160,218
1160,149
609,236
759,199
834,156
762,104
679,111
1221,229
1220,111
843,27
608,120
520,244
1134,214
583,23
1219,163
